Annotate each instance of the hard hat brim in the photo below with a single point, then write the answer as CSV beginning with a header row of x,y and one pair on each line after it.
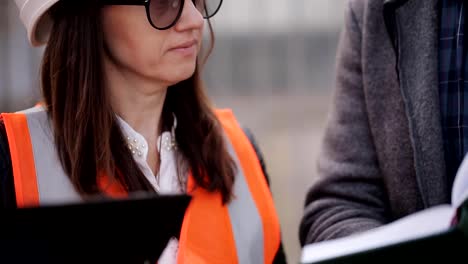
x,y
35,17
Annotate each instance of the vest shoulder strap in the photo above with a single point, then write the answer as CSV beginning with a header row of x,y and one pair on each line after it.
x,y
22,159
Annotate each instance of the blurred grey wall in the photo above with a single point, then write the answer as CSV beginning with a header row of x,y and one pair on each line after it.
x,y
274,47
283,64
19,71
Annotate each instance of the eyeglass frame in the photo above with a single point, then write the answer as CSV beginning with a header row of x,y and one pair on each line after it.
x,y
146,4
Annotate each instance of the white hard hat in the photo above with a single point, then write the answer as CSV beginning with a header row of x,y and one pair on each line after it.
x,y
35,18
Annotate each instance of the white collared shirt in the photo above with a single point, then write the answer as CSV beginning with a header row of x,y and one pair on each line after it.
x,y
167,181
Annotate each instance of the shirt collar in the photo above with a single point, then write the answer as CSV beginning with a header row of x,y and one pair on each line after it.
x,y
138,145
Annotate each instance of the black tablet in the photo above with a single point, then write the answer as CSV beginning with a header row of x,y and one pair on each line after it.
x,y
131,230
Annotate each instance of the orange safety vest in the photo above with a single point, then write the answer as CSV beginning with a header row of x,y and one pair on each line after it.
x,y
246,230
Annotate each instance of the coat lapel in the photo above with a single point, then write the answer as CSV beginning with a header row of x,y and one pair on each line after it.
x,y
417,45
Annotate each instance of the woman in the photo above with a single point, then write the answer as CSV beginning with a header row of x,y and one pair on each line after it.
x,y
124,111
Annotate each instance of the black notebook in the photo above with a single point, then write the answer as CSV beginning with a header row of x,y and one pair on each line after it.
x,y
131,230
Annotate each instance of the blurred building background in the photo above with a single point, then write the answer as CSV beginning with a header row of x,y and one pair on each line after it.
x,y
273,64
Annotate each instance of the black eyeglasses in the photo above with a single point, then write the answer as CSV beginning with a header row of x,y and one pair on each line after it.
x,y
163,14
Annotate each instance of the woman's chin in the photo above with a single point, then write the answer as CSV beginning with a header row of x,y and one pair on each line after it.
x,y
180,75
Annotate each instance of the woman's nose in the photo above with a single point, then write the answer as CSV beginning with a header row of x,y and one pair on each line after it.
x,y
190,18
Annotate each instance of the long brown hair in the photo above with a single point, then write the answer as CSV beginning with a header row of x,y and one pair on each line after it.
x,y
87,137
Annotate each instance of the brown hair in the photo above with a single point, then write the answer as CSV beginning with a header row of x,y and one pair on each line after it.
x,y
87,137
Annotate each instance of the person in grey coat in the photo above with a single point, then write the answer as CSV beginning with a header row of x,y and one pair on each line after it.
x,y
396,133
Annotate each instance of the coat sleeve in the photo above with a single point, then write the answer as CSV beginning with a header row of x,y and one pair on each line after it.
x,y
349,195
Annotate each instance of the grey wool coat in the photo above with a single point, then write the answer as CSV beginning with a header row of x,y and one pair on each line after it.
x,y
382,156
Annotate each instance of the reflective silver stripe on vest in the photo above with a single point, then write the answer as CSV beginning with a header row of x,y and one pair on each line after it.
x,y
246,221
53,183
